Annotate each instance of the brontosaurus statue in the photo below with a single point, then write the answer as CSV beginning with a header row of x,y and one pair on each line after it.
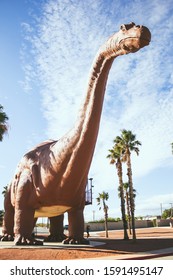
x,y
50,179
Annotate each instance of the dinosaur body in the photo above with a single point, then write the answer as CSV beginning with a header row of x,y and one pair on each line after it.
x,y
50,179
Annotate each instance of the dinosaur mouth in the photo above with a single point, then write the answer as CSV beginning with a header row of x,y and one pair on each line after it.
x,y
133,44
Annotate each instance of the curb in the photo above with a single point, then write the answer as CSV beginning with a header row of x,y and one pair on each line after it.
x,y
149,256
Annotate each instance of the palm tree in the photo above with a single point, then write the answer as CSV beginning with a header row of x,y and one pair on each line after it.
x,y
103,197
3,123
1,217
2,211
115,158
128,143
5,190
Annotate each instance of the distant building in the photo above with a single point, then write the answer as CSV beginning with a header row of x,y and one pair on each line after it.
x,y
151,217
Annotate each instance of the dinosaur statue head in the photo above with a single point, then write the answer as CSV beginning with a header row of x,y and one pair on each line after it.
x,y
130,38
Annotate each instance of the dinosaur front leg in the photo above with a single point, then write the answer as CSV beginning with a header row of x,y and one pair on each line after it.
x,y
23,227
24,215
56,229
8,221
76,227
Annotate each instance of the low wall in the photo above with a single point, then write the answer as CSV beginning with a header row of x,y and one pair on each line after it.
x,y
118,225
165,223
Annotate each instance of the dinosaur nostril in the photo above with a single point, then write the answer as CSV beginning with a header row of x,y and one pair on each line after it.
x,y
122,27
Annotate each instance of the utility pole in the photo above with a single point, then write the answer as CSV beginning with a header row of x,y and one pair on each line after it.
x,y
161,209
171,208
94,215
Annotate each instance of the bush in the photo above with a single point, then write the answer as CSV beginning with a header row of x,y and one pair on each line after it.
x,y
103,220
154,222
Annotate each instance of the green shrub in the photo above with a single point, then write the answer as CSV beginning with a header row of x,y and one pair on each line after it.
x,y
109,220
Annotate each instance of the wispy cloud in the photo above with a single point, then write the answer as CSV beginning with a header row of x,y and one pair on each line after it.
x,y
155,204
139,94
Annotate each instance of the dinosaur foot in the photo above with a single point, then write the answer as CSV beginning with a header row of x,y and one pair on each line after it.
x,y
71,240
55,238
20,240
6,237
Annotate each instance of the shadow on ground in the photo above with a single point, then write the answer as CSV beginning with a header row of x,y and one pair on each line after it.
x,y
147,240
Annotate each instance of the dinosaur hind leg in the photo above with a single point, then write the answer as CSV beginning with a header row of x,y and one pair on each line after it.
x,y
76,227
8,221
56,229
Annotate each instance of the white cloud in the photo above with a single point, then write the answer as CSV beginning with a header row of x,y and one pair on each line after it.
x,y
154,204
2,166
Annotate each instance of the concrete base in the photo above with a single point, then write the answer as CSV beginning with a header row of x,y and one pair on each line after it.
x,y
47,245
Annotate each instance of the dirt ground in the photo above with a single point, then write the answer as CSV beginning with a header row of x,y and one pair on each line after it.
x,y
147,239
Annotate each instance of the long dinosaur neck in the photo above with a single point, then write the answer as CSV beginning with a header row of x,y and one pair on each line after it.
x,y
90,113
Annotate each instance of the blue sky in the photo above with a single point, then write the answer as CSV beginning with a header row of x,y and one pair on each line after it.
x,y
46,51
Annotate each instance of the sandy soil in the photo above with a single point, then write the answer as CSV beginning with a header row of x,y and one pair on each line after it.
x,y
147,239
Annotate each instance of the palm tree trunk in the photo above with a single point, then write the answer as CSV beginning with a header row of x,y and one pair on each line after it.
x,y
123,211
106,218
132,204
128,213
106,224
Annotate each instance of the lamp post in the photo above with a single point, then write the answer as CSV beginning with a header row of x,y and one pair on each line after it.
x,y
88,192
91,186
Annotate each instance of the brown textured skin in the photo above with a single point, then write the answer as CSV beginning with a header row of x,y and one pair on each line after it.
x,y
55,172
